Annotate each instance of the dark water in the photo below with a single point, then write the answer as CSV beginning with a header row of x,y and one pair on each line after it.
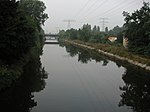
x,y
78,81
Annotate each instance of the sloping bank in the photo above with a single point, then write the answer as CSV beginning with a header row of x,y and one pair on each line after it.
x,y
131,58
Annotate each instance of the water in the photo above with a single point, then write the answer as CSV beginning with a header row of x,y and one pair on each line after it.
x,y
80,81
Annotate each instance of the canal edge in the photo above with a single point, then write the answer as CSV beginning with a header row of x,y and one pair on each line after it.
x,y
144,66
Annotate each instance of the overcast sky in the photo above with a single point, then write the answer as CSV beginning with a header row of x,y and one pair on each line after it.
x,y
87,11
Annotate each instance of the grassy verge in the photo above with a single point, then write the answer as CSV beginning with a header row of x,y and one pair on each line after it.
x,y
117,50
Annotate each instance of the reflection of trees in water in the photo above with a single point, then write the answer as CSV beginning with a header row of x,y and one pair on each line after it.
x,y
19,98
136,91
72,50
85,56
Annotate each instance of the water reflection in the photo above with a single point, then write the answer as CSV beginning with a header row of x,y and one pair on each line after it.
x,y
20,98
78,87
136,91
85,56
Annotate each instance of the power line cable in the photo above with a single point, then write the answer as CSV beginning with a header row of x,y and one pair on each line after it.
x,y
115,13
87,9
80,10
91,6
117,8
94,16
99,6
110,10
113,10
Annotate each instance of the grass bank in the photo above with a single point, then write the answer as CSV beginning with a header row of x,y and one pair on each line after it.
x,y
115,51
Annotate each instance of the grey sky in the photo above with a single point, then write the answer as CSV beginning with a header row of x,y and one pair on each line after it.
x,y
87,11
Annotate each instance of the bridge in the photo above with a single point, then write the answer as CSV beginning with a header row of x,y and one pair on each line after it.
x,y
51,38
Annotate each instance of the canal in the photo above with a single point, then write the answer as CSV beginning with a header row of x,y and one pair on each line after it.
x,y
76,80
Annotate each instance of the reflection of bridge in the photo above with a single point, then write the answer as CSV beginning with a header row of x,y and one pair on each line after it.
x,y
51,35
51,38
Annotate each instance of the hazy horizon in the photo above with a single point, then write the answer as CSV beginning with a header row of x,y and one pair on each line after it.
x,y
87,11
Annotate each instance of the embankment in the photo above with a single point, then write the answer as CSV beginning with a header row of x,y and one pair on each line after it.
x,y
140,61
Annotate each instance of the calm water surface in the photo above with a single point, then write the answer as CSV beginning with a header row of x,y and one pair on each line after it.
x,y
83,81
79,81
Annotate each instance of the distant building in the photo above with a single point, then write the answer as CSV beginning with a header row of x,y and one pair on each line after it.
x,y
112,39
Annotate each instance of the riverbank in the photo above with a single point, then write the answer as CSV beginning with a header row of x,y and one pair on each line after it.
x,y
116,52
11,73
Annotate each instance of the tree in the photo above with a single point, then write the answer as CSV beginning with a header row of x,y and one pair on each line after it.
x,y
35,9
98,29
85,33
62,34
106,30
137,30
94,28
73,34
115,31
18,31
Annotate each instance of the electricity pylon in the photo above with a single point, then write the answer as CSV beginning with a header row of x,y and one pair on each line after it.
x,y
103,21
69,22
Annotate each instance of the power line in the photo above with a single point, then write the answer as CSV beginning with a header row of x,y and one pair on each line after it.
x,y
111,10
102,4
117,7
125,8
79,12
91,6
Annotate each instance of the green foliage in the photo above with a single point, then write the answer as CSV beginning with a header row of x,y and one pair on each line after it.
x,y
99,37
106,30
35,9
137,30
72,34
8,75
17,34
62,34
85,34
20,96
96,29
21,35
19,30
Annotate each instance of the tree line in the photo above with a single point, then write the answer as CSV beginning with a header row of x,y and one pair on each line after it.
x,y
21,37
136,29
20,24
